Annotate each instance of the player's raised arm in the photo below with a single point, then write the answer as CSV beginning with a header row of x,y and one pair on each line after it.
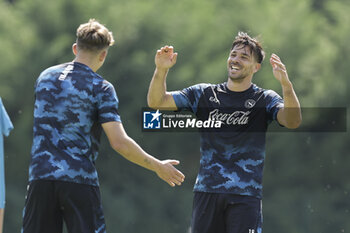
x,y
130,150
290,115
158,97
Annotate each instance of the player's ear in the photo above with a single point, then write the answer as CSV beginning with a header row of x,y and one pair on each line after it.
x,y
103,55
257,67
74,48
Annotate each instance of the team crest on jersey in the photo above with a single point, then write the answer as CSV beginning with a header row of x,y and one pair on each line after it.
x,y
249,103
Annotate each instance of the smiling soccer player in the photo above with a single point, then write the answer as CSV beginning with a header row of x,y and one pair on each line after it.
x,y
228,189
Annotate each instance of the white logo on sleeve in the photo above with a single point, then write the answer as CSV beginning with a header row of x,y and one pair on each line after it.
x,y
214,99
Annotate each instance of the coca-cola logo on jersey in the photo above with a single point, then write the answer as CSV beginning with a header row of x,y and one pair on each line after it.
x,y
234,118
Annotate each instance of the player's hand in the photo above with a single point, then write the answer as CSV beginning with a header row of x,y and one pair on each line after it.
x,y
165,57
279,69
167,172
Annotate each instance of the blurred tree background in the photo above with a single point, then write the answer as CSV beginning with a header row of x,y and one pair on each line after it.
x,y
306,179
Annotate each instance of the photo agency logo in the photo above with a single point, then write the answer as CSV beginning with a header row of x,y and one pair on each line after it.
x,y
152,119
240,120
168,121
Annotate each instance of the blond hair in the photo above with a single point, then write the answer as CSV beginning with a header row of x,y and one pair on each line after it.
x,y
93,36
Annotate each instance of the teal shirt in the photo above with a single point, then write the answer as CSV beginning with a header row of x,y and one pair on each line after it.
x,y
5,128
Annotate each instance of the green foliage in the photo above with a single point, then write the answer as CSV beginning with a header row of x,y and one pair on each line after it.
x,y
305,184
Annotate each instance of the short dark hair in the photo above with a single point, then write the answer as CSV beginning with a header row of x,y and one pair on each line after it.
x,y
255,46
93,36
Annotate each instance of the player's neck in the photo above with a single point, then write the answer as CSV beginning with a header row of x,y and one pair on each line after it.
x,y
238,86
91,63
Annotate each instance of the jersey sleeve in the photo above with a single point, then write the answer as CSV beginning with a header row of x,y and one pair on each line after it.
x,y
5,128
188,98
107,103
274,103
6,124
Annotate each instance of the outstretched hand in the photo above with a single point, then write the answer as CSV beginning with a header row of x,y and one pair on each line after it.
x,y
165,57
167,172
279,69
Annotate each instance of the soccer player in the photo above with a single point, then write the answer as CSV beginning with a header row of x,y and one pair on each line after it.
x,y
72,106
228,189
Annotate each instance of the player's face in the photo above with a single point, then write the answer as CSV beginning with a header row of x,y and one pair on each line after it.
x,y
240,63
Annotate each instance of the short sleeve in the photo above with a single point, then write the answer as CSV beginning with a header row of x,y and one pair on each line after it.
x,y
274,103
6,124
107,103
188,98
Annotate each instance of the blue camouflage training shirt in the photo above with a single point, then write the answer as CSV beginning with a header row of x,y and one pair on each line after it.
x,y
232,158
71,103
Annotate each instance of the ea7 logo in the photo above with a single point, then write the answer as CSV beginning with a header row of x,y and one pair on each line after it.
x,y
214,99
251,231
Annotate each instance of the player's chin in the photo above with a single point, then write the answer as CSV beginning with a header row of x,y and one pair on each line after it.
x,y
236,77
234,74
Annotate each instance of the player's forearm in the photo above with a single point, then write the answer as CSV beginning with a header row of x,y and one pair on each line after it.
x,y
157,88
291,111
289,96
131,151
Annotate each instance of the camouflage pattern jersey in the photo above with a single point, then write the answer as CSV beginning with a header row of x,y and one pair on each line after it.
x,y
232,158
71,103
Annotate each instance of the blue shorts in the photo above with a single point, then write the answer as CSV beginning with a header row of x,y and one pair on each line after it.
x,y
49,203
226,213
